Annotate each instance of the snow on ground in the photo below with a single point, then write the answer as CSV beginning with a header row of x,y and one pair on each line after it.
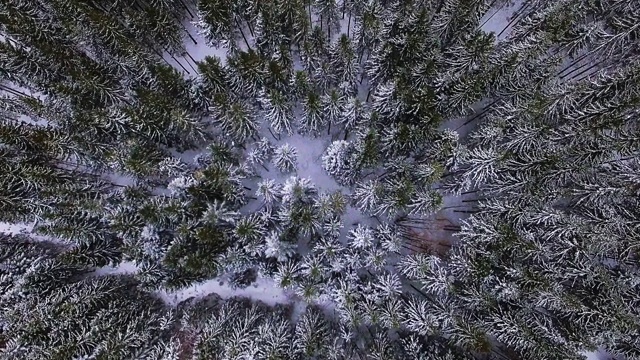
x,y
600,354
310,152
15,229
201,50
264,290
119,179
125,267
496,20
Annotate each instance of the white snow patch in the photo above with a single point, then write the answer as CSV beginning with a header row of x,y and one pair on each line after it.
x,y
600,354
264,290
496,20
120,179
15,229
310,152
125,267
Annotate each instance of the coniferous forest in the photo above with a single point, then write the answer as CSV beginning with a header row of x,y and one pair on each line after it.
x,y
319,179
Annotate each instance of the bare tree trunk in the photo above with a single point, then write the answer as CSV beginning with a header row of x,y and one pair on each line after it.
x,y
186,8
276,138
516,18
14,91
250,28
582,72
478,115
466,211
190,57
577,60
494,14
191,66
190,36
242,33
179,63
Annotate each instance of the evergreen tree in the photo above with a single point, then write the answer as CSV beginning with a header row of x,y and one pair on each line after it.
x,y
285,158
278,111
353,114
343,58
332,102
83,315
247,73
213,80
339,162
312,118
238,121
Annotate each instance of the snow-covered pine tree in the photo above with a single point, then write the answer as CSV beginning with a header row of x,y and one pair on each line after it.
x,y
213,80
276,247
328,14
312,120
278,111
216,21
342,56
285,158
368,196
354,115
237,120
246,71
339,161
46,292
333,104
300,85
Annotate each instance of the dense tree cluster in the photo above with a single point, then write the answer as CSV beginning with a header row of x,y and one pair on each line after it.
x,y
476,196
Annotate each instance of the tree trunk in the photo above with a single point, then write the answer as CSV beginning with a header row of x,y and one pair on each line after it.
x,y
515,19
250,28
186,8
190,36
276,138
583,71
191,66
577,60
490,17
179,63
242,33
478,115
14,91
190,57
